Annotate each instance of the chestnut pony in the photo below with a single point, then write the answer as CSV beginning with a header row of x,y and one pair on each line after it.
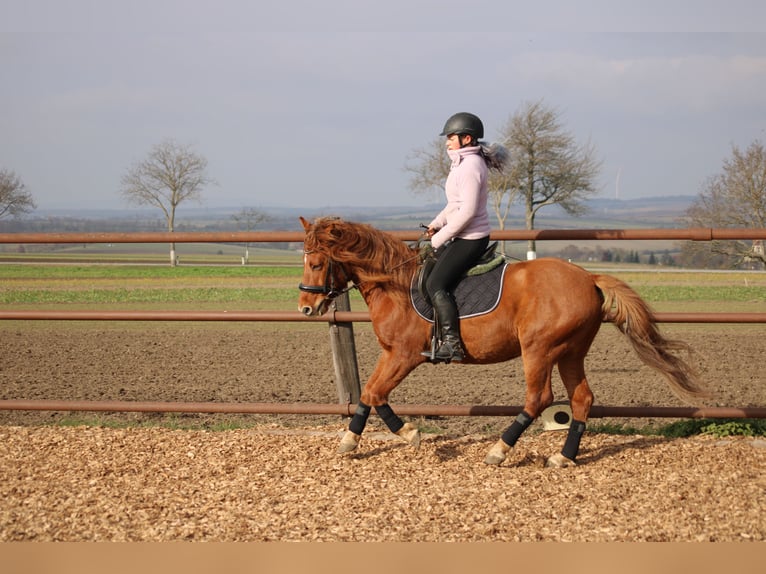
x,y
549,314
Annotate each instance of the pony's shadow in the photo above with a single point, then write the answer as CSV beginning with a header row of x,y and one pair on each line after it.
x,y
386,447
590,455
447,448
450,447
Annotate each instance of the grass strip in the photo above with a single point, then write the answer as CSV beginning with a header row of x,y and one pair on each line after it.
x,y
42,272
132,296
690,427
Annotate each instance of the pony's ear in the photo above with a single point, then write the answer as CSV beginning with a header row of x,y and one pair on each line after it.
x,y
336,231
306,224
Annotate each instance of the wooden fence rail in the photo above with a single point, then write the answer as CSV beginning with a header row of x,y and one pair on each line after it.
x,y
341,318
690,234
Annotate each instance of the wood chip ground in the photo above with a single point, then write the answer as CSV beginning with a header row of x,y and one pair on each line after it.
x,y
271,484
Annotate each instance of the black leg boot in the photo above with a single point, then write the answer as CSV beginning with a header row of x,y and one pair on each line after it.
x,y
451,348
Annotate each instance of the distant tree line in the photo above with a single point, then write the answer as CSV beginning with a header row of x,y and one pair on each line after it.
x,y
576,254
548,167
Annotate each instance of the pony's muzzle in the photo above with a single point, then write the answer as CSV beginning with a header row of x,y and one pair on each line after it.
x,y
317,308
307,310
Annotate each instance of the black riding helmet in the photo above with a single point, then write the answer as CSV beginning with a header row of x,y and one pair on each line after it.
x,y
464,123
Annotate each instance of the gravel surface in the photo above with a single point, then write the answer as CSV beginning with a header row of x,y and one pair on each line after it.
x,y
281,479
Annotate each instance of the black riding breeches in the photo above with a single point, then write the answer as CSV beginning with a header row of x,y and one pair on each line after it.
x,y
452,261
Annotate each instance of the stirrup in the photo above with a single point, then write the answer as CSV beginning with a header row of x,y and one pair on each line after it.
x,y
450,350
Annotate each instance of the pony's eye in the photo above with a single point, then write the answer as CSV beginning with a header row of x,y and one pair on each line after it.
x,y
316,267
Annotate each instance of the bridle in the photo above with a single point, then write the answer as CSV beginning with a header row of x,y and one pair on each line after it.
x,y
329,288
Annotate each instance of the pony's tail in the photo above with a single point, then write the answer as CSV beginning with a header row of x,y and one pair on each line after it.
x,y
633,317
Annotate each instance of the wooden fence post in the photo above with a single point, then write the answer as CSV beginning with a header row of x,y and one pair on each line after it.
x,y
344,355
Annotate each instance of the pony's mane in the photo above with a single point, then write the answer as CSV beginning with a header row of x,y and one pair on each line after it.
x,y
375,256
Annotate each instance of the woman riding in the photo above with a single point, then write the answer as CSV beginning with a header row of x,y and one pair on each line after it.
x,y
460,232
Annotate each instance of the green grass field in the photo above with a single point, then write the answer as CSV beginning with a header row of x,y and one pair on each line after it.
x,y
251,286
148,253
133,284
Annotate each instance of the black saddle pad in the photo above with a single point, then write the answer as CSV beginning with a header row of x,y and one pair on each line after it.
x,y
476,295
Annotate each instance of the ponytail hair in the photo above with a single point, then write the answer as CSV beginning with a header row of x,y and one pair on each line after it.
x,y
495,155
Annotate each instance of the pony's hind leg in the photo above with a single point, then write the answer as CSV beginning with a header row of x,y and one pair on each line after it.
x,y
572,371
537,372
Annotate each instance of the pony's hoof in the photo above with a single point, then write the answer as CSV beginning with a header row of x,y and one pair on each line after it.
x,y
411,434
349,442
497,453
558,460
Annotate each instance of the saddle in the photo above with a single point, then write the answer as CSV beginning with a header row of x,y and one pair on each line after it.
x,y
478,291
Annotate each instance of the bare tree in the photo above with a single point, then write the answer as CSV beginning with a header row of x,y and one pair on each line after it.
x,y
736,197
247,219
170,174
502,195
547,166
428,167
15,198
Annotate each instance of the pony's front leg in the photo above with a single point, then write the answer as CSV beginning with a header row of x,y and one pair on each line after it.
x,y
391,369
353,435
407,431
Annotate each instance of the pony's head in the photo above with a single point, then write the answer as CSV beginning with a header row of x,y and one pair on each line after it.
x,y
323,277
336,252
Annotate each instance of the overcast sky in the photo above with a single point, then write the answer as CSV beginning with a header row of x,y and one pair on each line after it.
x,y
319,103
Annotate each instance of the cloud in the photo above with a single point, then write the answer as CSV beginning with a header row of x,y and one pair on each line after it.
x,y
647,86
331,97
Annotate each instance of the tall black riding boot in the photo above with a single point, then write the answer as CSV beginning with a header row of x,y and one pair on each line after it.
x,y
451,348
